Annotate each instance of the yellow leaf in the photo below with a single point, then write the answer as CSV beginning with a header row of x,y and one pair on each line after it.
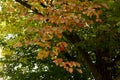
x,y
79,70
77,64
42,54
74,64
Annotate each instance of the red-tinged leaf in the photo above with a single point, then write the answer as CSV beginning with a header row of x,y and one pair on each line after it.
x,y
62,48
62,45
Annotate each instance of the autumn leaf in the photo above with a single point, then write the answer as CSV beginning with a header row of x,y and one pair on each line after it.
x,y
70,70
42,54
18,44
79,70
58,61
77,64
73,64
62,45
41,44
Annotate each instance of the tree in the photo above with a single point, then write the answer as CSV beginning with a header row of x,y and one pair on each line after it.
x,y
68,32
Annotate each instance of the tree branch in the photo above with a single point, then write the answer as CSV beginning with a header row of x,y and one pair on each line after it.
x,y
24,3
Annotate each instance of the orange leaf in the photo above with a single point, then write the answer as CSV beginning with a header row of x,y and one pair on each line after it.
x,y
70,70
58,61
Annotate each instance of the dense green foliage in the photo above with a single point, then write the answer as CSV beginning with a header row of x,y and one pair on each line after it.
x,y
22,65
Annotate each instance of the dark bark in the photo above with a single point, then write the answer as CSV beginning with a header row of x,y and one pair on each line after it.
x,y
74,38
90,65
102,65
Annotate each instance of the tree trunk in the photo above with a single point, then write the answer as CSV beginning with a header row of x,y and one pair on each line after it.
x,y
74,38
91,67
102,65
